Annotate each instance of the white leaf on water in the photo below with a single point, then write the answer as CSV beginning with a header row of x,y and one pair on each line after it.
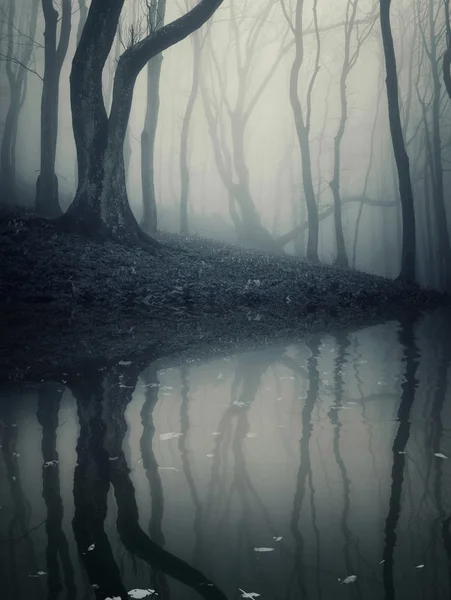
x,y
167,394
13,478
112,598
38,574
151,385
263,549
113,457
277,539
216,433
169,436
167,387
439,455
401,452
382,561
210,455
95,586
125,363
349,579
238,403
16,454
248,594
50,463
121,385
168,469
419,566
91,547
220,376
251,435
137,593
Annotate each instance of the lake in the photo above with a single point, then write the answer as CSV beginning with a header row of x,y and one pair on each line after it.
x,y
317,470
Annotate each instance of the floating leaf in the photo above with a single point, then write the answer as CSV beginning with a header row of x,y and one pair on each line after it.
x,y
112,597
91,547
168,469
349,579
248,594
137,593
38,574
220,376
216,433
439,455
238,403
210,455
263,549
277,539
113,457
125,363
50,463
382,561
419,567
169,436
251,435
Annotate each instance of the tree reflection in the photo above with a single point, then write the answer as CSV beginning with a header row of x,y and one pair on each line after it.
x,y
49,399
406,338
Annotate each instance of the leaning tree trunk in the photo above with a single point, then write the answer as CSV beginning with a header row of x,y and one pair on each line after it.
x,y
155,18
47,202
184,170
408,260
101,206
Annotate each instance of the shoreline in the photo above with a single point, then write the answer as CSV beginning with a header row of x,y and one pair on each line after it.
x,y
67,301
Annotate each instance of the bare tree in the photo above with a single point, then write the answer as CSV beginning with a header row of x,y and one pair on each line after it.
x,y
302,121
349,60
186,123
156,10
408,257
54,54
101,206
18,63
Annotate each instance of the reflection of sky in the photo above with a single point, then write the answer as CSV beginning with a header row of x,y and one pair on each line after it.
x,y
226,494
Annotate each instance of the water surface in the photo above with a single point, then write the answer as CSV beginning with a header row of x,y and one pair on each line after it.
x,y
312,471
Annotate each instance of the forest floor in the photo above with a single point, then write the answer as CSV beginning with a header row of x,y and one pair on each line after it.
x,y
68,301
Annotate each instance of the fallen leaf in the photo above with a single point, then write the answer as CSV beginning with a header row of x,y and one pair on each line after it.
x,y
439,455
168,469
137,593
349,579
248,594
263,549
169,436
419,566
210,455
91,547
125,363
277,539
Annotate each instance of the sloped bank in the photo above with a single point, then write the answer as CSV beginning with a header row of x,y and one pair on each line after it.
x,y
67,300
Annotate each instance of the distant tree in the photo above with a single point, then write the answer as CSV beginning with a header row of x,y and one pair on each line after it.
x,y
302,116
350,57
408,253
156,11
54,54
101,206
20,46
198,44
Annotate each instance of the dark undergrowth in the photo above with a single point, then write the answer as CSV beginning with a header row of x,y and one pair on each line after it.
x,y
67,300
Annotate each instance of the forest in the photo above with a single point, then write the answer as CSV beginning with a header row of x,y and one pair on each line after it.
x,y
287,126
225,283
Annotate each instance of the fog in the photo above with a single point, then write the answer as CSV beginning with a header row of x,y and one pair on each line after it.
x,y
256,37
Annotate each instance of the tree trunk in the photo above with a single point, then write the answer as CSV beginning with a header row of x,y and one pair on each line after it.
x,y
101,207
402,160
303,138
47,183
17,80
148,135
184,170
